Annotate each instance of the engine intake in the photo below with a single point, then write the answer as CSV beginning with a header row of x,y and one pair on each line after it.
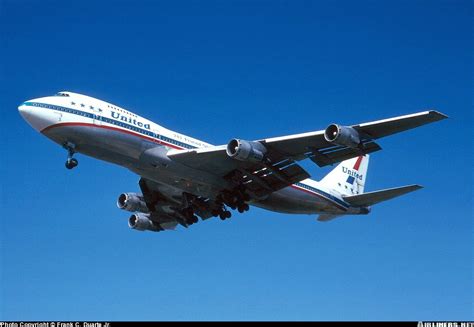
x,y
142,222
132,202
246,150
342,135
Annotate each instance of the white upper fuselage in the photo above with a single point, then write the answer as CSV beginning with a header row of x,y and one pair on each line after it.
x,y
111,133
90,107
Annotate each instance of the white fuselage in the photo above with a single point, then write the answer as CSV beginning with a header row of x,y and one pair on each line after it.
x,y
116,135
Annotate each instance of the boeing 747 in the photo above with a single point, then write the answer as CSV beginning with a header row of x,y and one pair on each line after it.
x,y
183,179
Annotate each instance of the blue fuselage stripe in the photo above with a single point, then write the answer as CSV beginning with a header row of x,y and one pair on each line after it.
x,y
111,121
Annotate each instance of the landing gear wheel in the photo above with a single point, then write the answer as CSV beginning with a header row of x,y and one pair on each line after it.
x,y
225,215
243,207
71,163
192,221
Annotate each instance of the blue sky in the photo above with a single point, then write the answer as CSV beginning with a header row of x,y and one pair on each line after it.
x,y
249,69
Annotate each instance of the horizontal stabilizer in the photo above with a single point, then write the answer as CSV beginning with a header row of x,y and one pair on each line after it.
x,y
370,198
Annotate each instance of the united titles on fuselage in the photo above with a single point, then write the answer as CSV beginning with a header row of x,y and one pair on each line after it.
x,y
129,120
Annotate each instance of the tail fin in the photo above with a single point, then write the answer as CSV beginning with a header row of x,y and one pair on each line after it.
x,y
349,176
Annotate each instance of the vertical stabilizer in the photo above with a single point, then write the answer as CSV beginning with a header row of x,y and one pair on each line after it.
x,y
349,176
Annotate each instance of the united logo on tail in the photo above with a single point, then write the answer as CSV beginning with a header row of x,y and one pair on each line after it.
x,y
353,174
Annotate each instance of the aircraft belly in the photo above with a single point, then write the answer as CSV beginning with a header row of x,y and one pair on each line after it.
x,y
128,151
291,200
104,144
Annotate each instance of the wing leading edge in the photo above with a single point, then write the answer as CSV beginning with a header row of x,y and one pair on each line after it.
x,y
311,145
315,146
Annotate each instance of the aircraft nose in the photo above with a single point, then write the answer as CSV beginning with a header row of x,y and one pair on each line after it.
x,y
24,110
33,115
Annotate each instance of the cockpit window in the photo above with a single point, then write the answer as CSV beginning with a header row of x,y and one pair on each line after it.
x,y
62,94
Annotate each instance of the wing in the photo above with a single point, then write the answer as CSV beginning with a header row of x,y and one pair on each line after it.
x,y
316,146
278,168
257,178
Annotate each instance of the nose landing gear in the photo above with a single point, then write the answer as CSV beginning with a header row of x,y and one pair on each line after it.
x,y
70,162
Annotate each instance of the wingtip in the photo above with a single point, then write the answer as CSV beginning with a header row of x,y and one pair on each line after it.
x,y
438,115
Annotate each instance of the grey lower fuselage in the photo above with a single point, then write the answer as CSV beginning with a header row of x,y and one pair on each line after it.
x,y
148,159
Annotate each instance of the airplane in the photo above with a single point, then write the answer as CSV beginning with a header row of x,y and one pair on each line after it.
x,y
183,179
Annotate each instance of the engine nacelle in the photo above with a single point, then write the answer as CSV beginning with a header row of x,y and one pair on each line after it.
x,y
142,222
245,150
342,135
132,202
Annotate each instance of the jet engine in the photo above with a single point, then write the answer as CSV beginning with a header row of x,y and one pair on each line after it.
x,y
342,135
132,202
246,150
142,222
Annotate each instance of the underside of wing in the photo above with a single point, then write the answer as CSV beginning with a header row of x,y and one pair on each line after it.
x,y
165,206
259,178
334,154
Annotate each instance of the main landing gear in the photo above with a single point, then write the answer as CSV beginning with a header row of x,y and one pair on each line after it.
x,y
70,162
225,214
234,200
243,207
191,218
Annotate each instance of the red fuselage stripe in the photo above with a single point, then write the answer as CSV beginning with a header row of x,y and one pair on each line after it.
x,y
114,129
